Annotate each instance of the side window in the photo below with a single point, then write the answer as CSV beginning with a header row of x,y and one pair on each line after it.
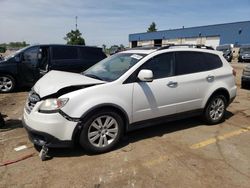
x,y
92,54
212,61
161,65
31,55
189,62
64,52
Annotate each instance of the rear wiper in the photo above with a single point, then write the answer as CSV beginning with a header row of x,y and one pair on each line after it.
x,y
93,76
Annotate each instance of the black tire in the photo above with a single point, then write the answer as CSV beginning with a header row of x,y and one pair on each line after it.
x,y
9,87
1,121
211,118
88,127
243,85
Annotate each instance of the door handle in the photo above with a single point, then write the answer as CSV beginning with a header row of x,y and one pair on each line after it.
x,y
210,78
172,84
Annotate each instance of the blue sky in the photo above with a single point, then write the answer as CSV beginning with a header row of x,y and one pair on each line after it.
x,y
109,21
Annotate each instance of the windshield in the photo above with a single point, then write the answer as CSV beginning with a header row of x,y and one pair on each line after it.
x,y
14,53
113,67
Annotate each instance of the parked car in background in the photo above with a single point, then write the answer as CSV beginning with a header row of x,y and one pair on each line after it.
x,y
245,78
126,91
227,50
26,66
244,53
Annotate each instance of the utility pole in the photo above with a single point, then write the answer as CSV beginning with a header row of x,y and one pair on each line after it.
x,y
76,22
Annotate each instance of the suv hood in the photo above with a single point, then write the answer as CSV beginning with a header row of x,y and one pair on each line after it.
x,y
54,81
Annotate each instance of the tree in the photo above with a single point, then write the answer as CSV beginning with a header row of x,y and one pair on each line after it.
x,y
74,37
152,27
14,45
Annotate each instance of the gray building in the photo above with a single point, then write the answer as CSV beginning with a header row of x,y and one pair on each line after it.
x,y
236,33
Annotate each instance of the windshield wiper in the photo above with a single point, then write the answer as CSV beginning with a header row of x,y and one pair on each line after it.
x,y
93,76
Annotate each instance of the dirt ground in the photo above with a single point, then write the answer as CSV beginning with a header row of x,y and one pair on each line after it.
x,y
184,153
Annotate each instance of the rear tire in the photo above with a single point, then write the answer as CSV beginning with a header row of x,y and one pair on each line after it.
x,y
7,83
243,85
102,132
215,109
1,121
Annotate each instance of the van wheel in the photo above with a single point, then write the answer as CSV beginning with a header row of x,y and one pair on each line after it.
x,y
214,111
101,132
243,85
7,83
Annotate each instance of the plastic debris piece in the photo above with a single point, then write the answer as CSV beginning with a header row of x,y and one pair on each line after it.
x,y
20,148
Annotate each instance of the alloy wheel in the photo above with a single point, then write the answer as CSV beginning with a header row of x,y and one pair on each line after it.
x,y
217,109
6,84
103,131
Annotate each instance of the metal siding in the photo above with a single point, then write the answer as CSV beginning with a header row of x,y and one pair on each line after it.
x,y
229,33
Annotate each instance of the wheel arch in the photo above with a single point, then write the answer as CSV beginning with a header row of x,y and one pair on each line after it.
x,y
218,91
93,110
8,74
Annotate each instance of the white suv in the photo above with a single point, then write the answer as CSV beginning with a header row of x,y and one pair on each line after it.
x,y
131,89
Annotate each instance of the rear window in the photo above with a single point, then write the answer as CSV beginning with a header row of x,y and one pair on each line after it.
x,y
64,52
192,62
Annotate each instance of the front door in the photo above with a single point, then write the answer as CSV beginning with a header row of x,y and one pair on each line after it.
x,y
28,66
43,60
157,98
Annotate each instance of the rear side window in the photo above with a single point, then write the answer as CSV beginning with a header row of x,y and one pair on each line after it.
x,y
64,52
192,62
212,61
94,54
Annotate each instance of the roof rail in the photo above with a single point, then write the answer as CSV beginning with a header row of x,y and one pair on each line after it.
x,y
187,45
144,48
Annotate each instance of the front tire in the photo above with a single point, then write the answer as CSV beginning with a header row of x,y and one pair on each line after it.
x,y
214,111
102,131
7,83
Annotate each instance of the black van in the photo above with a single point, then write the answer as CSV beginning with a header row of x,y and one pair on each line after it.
x,y
26,66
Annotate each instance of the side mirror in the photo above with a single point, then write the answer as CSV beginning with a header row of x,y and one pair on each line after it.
x,y
145,75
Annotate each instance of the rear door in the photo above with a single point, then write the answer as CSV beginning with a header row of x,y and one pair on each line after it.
x,y
194,77
90,56
65,58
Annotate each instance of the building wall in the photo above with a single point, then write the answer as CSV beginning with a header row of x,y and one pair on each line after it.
x,y
230,33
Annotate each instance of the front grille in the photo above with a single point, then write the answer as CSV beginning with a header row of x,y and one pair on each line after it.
x,y
31,101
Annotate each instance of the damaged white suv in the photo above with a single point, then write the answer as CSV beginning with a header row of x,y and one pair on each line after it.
x,y
131,89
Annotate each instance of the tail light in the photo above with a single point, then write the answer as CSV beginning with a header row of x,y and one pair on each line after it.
x,y
234,72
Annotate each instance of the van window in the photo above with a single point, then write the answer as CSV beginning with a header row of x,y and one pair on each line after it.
x,y
94,54
64,52
31,55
